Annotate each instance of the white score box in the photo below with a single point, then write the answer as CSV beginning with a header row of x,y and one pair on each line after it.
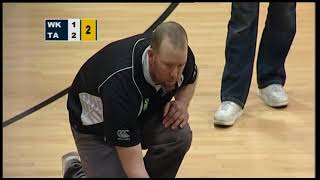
x,y
74,30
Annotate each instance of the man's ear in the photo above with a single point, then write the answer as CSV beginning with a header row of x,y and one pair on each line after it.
x,y
151,55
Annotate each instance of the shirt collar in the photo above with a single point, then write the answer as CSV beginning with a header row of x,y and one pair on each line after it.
x,y
146,70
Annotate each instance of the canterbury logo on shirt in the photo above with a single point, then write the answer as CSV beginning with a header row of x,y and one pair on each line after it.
x,y
123,134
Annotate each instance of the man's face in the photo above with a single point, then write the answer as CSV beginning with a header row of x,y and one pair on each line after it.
x,y
166,66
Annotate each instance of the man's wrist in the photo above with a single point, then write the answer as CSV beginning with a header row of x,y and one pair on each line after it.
x,y
184,102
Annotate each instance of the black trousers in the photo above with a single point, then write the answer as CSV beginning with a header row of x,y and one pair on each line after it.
x,y
166,149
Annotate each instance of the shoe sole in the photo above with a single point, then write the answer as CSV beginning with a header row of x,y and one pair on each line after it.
x,y
227,123
69,155
65,158
275,105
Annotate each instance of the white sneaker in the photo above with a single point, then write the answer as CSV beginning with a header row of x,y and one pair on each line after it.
x,y
227,113
274,95
69,159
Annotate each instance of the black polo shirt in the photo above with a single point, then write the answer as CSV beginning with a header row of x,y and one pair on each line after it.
x,y
110,95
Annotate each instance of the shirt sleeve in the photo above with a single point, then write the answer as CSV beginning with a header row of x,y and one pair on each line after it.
x,y
190,71
120,110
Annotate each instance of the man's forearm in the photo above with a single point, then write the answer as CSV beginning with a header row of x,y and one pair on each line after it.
x,y
185,94
132,161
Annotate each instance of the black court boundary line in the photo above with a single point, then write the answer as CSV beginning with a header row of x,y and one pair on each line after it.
x,y
161,18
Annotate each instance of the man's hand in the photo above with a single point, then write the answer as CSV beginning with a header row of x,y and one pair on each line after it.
x,y
175,114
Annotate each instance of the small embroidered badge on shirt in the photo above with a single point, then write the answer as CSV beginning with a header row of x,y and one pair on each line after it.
x,y
145,104
123,134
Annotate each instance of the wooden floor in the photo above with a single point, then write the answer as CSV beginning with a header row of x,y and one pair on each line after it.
x,y
265,142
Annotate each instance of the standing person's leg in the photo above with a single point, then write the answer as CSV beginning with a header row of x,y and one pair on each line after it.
x,y
240,52
166,147
98,159
277,37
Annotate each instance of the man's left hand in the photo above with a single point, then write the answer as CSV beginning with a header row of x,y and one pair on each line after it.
x,y
175,114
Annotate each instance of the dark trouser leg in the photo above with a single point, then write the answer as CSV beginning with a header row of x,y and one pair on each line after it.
x,y
98,159
240,52
166,147
277,37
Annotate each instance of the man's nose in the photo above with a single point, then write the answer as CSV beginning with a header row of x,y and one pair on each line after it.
x,y
174,73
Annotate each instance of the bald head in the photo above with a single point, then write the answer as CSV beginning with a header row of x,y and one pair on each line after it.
x,y
171,31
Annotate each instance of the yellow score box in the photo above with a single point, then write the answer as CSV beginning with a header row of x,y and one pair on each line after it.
x,y
88,29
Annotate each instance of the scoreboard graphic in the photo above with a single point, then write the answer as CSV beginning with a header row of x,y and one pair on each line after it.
x,y
71,29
